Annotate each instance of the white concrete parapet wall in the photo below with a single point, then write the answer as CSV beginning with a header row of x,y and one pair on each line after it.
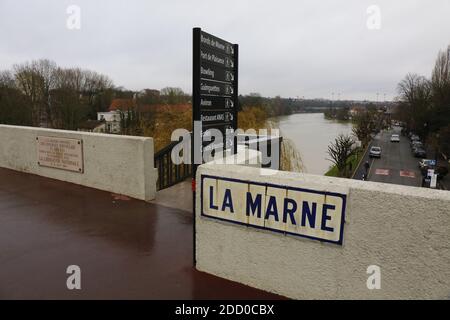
x,y
403,230
244,157
119,164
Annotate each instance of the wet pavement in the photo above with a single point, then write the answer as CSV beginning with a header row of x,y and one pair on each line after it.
x,y
178,196
126,249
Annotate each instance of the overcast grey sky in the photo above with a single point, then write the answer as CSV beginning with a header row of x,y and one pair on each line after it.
x,y
288,48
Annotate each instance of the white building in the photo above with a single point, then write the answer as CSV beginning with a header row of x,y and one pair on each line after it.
x,y
112,120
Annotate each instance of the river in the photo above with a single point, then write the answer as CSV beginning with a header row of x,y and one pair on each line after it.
x,y
311,133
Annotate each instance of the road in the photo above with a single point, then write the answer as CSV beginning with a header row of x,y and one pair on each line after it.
x,y
397,164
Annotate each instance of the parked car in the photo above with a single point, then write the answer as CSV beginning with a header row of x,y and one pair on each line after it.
x,y
439,170
395,138
419,153
427,163
415,137
416,144
375,152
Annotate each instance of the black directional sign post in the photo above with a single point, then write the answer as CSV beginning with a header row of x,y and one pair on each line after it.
x,y
214,93
215,88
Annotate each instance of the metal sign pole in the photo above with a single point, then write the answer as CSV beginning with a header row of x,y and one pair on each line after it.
x,y
195,117
214,98
236,95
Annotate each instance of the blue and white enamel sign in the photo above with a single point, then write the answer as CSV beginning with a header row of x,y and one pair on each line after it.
x,y
313,214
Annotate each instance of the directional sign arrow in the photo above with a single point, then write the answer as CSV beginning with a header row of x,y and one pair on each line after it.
x,y
211,71
209,41
212,57
215,88
210,102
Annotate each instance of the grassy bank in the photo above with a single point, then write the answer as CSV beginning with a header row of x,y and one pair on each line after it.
x,y
352,162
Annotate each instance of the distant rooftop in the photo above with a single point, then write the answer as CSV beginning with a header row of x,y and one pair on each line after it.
x,y
121,104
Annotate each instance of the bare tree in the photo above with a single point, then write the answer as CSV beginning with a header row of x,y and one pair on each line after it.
x,y
14,107
42,82
363,126
173,95
440,79
440,87
340,151
415,93
28,81
47,71
68,109
6,79
414,88
36,80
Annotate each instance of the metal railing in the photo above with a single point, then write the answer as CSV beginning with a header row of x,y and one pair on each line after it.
x,y
169,173
265,144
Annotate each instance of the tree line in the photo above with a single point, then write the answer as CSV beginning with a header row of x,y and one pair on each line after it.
x,y
277,106
424,103
41,93
341,114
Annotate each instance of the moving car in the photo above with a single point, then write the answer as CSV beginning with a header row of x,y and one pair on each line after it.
x,y
395,138
375,152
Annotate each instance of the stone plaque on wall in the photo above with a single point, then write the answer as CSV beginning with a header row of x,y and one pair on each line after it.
x,y
60,153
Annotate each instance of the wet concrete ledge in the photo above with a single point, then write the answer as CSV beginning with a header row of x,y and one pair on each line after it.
x,y
126,249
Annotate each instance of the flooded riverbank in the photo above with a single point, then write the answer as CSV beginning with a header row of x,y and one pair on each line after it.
x,y
311,134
